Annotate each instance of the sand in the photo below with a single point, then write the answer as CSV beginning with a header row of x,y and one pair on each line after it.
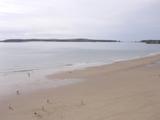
x,y
128,90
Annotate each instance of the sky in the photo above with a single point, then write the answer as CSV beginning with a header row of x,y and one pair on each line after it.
x,y
95,19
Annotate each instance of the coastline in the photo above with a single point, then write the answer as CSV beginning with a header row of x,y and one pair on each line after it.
x,y
119,91
39,78
144,60
43,76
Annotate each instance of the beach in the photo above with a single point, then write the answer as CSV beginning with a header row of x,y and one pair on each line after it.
x,y
124,90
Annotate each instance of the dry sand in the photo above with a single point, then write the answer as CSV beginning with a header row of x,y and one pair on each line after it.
x,y
128,90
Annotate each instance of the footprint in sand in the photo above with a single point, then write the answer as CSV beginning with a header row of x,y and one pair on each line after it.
x,y
43,109
36,114
48,101
82,103
10,107
17,92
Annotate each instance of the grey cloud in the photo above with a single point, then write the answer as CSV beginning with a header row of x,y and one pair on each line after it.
x,y
104,19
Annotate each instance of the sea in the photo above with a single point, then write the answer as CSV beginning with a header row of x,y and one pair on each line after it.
x,y
24,65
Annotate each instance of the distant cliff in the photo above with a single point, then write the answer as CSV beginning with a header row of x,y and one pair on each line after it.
x,y
57,40
151,41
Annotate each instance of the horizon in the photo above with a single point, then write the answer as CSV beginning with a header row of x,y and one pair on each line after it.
x,y
43,39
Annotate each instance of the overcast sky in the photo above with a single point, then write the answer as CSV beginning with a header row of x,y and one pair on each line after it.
x,y
98,19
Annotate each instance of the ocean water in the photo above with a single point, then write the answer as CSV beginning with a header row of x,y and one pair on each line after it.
x,y
48,55
23,66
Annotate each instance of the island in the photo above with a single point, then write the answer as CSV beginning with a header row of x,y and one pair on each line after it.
x,y
151,41
58,40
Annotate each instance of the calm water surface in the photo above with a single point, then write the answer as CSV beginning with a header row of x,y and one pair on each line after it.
x,y
24,66
46,55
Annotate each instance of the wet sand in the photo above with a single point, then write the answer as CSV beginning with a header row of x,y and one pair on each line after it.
x,y
127,90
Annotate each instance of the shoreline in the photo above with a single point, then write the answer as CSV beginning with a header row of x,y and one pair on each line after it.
x,y
43,76
124,61
120,91
73,66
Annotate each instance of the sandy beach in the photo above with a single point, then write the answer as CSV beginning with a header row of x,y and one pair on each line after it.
x,y
126,90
